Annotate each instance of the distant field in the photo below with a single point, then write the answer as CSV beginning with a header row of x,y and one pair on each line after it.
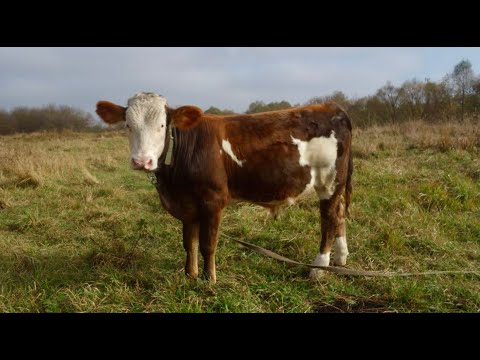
x,y
81,232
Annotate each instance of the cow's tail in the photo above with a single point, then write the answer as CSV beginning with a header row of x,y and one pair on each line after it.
x,y
348,186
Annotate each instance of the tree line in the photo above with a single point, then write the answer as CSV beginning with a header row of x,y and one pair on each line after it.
x,y
51,117
453,98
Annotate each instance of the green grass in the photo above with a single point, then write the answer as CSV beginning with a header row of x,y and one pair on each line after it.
x,y
81,232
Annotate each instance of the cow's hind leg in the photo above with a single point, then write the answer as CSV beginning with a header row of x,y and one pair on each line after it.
x,y
341,248
274,210
190,244
333,228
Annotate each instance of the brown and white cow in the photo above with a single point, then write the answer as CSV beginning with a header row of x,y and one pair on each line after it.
x,y
203,162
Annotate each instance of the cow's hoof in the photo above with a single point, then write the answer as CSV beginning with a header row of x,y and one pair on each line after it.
x,y
340,260
317,274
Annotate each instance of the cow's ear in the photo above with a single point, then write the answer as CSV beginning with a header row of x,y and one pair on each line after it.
x,y
185,117
110,113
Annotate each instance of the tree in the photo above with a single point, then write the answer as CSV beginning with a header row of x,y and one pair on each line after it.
x,y
411,97
6,124
476,86
390,95
463,80
260,106
337,96
51,117
436,100
216,111
475,97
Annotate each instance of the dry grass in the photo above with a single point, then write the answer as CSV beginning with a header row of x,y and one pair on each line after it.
x,y
26,160
417,134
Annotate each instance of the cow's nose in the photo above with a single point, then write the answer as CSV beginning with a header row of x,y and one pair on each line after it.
x,y
148,164
137,163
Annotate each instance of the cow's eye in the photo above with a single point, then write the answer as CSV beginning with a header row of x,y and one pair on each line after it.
x,y
163,125
127,126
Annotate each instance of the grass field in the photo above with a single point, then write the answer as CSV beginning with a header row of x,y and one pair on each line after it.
x,y
81,232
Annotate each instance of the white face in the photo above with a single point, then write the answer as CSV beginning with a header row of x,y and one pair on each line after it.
x,y
146,120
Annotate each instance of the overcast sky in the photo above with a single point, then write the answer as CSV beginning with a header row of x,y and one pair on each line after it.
x,y
223,77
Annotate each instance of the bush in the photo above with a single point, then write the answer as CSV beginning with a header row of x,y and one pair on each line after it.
x,y
51,117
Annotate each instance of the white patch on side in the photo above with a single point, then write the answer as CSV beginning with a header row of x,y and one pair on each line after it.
x,y
341,251
320,154
320,260
227,147
146,118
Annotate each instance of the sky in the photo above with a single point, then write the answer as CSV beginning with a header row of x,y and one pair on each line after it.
x,y
228,78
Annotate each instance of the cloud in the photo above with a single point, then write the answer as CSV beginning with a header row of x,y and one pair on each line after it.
x,y
223,77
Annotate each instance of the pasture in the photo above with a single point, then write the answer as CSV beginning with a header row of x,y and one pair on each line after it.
x,y
82,232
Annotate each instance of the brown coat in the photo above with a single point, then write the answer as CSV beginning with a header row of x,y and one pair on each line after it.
x,y
203,177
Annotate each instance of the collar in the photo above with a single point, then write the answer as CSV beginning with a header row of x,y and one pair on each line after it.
x,y
167,159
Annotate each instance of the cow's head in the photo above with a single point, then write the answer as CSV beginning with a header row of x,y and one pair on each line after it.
x,y
146,119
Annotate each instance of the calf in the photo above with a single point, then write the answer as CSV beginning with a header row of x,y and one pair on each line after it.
x,y
203,162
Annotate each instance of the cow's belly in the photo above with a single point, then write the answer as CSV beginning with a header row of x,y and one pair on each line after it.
x,y
270,181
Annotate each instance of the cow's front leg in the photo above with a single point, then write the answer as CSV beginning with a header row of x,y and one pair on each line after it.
x,y
209,223
190,243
